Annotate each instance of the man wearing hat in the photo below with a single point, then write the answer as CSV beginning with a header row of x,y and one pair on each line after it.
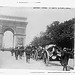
x,y
64,58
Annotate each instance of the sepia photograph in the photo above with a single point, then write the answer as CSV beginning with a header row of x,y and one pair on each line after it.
x,y
37,38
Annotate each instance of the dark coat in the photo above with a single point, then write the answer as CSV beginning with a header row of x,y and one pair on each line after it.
x,y
28,51
64,58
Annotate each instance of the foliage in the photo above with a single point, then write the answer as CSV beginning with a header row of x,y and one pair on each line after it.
x,y
61,34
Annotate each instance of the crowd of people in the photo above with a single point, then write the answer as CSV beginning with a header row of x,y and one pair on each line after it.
x,y
38,53
29,52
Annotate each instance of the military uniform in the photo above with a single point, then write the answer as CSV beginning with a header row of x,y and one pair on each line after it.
x,y
28,53
64,58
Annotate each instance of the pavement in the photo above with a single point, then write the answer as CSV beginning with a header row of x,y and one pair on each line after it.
x,y
9,62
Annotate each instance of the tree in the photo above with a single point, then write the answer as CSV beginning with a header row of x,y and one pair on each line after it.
x,y
62,34
35,41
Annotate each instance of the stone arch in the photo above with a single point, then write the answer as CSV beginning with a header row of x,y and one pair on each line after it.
x,y
17,25
8,29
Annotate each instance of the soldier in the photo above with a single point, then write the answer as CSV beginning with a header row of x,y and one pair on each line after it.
x,y
12,51
36,54
21,52
28,53
33,52
16,53
64,58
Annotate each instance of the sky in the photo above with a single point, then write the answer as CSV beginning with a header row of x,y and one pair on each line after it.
x,y
38,19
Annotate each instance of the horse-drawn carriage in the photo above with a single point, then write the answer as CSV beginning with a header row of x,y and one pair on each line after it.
x,y
37,53
51,53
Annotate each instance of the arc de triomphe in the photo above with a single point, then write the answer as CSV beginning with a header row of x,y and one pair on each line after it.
x,y
17,25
